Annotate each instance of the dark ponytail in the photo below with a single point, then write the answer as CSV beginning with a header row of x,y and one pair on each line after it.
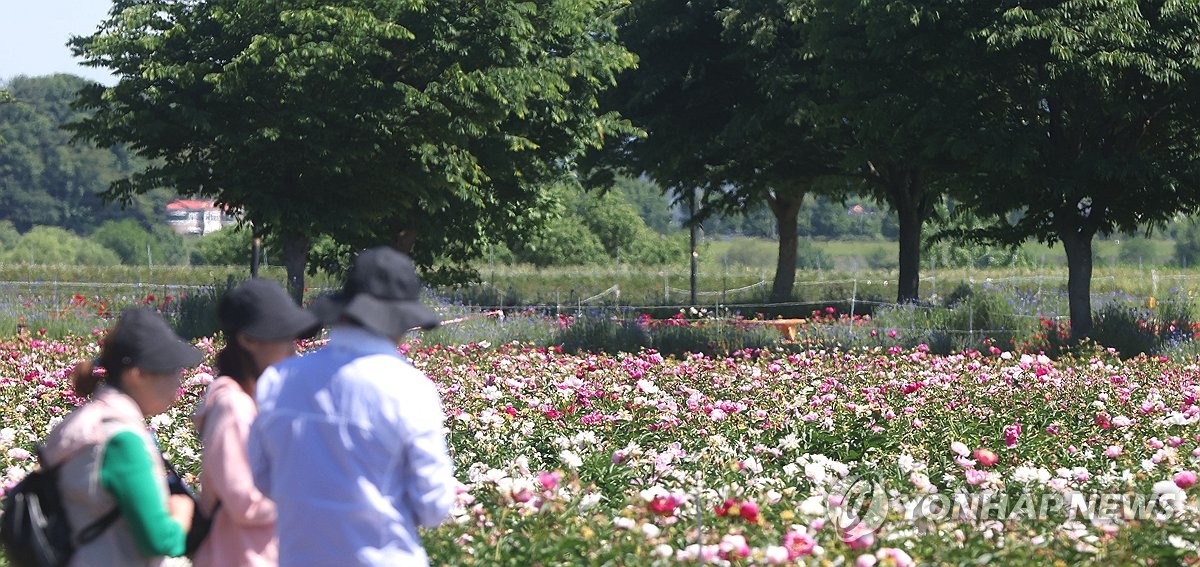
x,y
109,367
85,378
235,361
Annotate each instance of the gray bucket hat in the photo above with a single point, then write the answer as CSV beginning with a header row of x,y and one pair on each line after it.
x,y
382,293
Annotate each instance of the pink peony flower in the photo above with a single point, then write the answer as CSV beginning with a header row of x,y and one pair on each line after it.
x,y
664,505
549,480
975,477
1011,433
798,544
894,556
1185,479
960,448
1113,451
858,537
986,457
749,512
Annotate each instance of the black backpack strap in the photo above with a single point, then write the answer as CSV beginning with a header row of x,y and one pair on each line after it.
x,y
93,530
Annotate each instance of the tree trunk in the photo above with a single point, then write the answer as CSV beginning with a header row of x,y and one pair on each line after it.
x,y
905,192
295,256
1078,246
911,220
786,208
404,240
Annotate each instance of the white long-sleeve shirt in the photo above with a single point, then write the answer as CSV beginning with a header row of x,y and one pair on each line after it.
x,y
349,444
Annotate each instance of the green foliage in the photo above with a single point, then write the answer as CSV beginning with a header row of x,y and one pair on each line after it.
x,y
1137,251
649,201
440,124
46,180
1122,326
138,247
949,254
52,245
809,257
195,315
9,236
226,247
752,253
650,248
612,219
566,241
600,332
1187,247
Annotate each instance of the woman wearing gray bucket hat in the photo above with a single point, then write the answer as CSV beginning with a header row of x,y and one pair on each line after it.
x,y
261,325
111,476
348,440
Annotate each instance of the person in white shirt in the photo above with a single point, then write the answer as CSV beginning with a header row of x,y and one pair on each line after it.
x,y
349,440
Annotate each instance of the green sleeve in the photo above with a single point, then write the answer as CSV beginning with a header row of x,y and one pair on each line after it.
x,y
127,473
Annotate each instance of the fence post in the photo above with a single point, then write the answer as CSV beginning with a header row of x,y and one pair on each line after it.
x,y
1154,283
970,323
853,297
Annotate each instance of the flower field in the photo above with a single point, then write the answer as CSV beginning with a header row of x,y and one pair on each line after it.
x,y
868,457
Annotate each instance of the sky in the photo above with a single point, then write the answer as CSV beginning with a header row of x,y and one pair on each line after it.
x,y
34,34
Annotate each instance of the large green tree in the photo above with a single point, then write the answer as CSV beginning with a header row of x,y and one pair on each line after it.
x,y
1101,109
713,124
436,126
895,78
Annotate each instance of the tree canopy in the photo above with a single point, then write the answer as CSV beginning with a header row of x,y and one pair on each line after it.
x,y
46,180
714,123
1100,106
435,126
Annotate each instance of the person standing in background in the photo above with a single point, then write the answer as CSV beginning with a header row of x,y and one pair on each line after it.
x,y
349,440
261,325
110,462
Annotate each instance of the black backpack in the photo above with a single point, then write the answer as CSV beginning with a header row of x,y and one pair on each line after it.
x,y
34,527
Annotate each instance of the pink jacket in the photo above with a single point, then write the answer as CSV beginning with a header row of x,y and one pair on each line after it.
x,y
243,532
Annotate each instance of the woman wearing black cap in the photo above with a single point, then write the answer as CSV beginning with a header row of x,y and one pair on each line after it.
x,y
261,325
112,476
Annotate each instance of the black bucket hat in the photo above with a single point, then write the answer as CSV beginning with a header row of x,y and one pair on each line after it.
x,y
382,293
142,339
261,309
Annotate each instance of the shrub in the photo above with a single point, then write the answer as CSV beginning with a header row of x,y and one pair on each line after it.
x,y
527,328
53,245
196,312
601,333
654,249
566,241
1125,328
137,246
1135,251
809,257
751,253
225,247
1187,246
